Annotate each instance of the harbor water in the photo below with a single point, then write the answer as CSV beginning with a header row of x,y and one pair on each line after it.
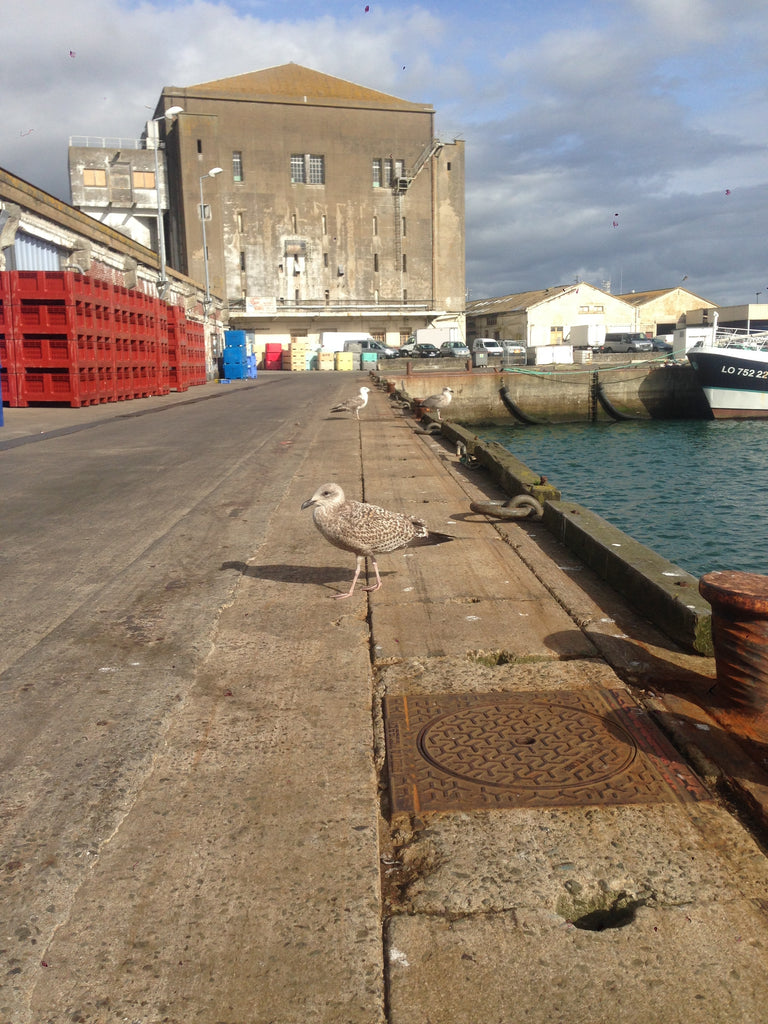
x,y
695,491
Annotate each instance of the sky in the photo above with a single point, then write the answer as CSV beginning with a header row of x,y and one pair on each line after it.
x,y
618,142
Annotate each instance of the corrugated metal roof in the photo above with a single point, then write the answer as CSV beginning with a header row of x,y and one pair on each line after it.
x,y
295,83
640,298
520,300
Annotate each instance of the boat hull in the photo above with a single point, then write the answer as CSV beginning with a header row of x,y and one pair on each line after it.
x,y
734,381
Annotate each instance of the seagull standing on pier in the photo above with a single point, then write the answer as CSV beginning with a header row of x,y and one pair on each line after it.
x,y
365,530
438,402
353,404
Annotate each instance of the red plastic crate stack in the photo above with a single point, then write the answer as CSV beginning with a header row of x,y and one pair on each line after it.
x,y
185,361
72,339
7,346
196,352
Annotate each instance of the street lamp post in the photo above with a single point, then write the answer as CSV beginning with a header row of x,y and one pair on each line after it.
x,y
211,174
163,282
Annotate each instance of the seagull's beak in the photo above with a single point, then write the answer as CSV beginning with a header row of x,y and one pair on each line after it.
x,y
308,503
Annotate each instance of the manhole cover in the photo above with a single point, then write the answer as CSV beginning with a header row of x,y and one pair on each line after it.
x,y
550,749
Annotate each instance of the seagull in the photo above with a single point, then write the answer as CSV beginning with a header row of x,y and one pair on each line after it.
x,y
365,530
438,402
353,404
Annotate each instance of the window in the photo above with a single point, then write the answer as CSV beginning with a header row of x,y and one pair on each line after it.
x,y
94,178
375,263
237,165
242,260
325,259
376,173
307,169
325,225
298,173
317,170
399,168
240,222
405,232
199,145
388,172
143,179
375,225
405,263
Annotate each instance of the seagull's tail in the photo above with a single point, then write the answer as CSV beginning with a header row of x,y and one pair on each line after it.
x,y
425,537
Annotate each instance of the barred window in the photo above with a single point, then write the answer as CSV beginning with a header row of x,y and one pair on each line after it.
x,y
376,173
317,170
388,172
298,171
237,165
307,169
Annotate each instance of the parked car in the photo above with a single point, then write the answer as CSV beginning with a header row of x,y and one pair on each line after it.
x,y
623,342
662,344
382,351
457,349
407,349
490,346
426,350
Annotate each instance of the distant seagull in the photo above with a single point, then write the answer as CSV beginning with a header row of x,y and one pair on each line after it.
x,y
353,404
365,530
438,402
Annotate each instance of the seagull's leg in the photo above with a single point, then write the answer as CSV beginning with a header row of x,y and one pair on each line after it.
x,y
340,597
377,584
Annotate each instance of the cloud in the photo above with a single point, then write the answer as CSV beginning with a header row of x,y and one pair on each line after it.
x,y
570,113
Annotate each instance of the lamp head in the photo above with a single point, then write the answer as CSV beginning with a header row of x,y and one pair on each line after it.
x,y
173,111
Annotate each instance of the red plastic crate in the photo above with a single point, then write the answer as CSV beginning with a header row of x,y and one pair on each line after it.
x,y
39,314
42,386
42,284
9,382
9,354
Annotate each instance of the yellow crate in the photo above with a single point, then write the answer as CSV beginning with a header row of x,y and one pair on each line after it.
x,y
345,360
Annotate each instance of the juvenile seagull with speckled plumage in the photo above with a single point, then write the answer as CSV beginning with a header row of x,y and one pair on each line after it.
x,y
365,530
353,404
438,402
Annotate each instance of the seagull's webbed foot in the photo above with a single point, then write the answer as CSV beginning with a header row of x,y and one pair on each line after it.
x,y
377,584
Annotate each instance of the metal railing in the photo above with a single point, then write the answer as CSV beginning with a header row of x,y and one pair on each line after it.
x,y
107,142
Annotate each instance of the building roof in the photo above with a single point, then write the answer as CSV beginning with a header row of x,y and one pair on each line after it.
x,y
640,298
524,300
293,83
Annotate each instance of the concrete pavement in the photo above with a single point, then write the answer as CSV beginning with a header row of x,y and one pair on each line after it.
x,y
259,873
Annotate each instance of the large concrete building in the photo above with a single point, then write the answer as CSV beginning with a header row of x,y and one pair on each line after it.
x,y
336,207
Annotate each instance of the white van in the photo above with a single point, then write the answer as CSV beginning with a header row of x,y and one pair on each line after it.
x,y
490,346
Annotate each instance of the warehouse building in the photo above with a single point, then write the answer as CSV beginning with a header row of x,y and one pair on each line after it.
x,y
324,206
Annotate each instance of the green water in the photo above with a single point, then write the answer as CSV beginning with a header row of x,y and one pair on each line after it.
x,y
696,491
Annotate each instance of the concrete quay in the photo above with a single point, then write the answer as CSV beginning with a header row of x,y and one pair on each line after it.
x,y
325,831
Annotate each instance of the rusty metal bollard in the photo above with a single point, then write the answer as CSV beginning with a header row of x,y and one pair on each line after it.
x,y
740,636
